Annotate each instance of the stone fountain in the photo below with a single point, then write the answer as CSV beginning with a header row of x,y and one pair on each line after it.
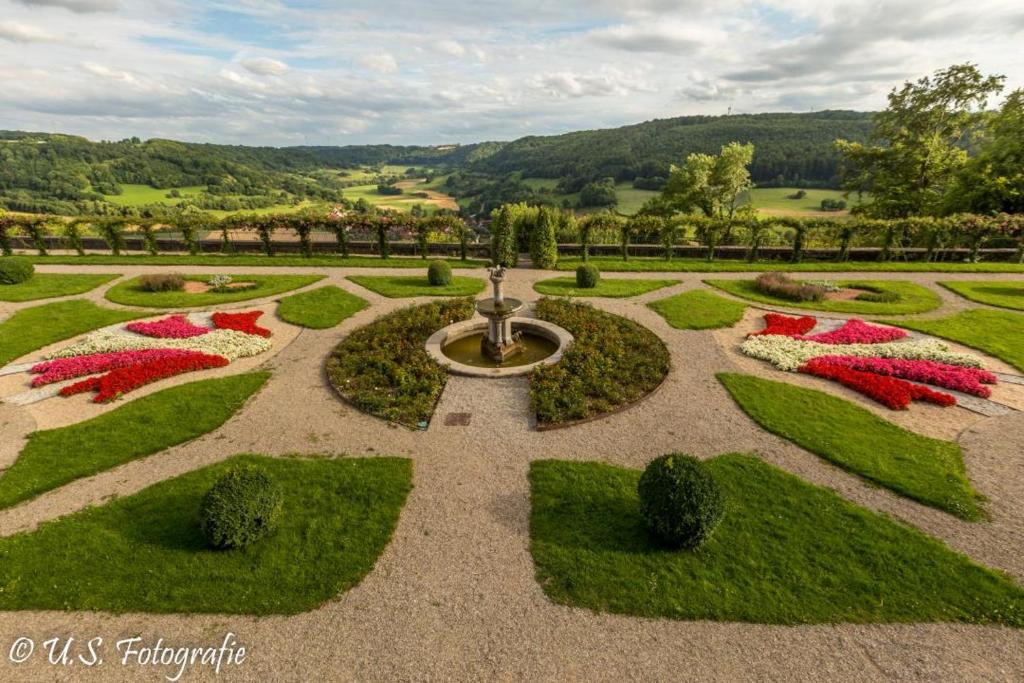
x,y
500,342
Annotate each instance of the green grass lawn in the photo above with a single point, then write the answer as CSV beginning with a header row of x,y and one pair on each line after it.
x,y
1007,294
997,333
927,470
320,308
399,286
33,328
244,260
130,294
698,310
913,297
49,285
786,552
613,264
776,200
606,287
140,195
145,552
147,425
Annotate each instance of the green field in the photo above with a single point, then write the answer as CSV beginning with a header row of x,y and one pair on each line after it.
x,y
776,200
140,195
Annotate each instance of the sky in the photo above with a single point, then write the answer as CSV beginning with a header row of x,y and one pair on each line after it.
x,y
271,72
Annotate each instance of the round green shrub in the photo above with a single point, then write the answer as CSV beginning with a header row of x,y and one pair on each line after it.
x,y
439,273
680,500
242,506
587,276
15,269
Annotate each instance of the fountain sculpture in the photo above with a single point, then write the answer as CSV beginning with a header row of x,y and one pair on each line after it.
x,y
500,342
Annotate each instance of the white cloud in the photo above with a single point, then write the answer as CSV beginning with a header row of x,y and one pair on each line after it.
x,y
24,33
450,47
265,66
381,62
78,6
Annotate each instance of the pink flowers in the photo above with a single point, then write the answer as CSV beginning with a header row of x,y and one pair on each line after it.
x,y
856,331
60,369
171,327
889,391
955,377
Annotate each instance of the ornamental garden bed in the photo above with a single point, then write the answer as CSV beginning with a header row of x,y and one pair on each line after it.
x,y
130,293
33,328
910,297
997,333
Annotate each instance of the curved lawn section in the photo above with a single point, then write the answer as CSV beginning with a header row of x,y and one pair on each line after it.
x,y
997,333
320,308
913,297
930,471
698,310
606,287
50,285
786,552
33,328
401,286
54,457
1002,293
129,293
146,553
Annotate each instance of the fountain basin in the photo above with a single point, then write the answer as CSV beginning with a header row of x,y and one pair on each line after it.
x,y
545,344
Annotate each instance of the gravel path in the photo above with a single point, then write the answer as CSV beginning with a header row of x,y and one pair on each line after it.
x,y
453,597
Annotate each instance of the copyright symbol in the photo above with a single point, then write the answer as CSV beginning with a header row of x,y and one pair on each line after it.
x,y
21,650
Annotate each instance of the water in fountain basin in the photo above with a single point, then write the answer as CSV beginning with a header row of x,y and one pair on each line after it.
x,y
467,351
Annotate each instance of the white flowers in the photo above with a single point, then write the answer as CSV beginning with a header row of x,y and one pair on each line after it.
x,y
230,344
786,353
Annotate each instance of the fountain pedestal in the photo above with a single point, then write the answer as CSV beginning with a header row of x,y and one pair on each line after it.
x,y
500,342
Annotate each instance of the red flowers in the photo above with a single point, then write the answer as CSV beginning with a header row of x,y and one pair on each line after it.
x,y
856,331
124,379
776,323
889,391
955,377
243,322
171,327
60,369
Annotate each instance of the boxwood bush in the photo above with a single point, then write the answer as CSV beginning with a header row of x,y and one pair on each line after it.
x,y
612,362
241,507
15,269
587,276
680,501
439,273
162,282
782,286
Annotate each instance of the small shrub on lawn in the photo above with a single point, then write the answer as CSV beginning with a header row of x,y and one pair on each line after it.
x,y
15,269
680,500
587,276
242,506
439,274
162,282
879,296
782,286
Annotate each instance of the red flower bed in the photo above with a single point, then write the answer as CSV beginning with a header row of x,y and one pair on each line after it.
x,y
122,380
60,369
955,377
787,326
243,322
856,331
171,327
889,391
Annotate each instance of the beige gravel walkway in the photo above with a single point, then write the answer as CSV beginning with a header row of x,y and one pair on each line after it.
x,y
454,598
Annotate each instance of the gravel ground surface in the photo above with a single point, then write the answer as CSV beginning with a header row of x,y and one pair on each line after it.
x,y
453,597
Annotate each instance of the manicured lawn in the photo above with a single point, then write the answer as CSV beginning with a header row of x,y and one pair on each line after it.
x,y
786,552
927,470
33,328
54,457
698,310
145,552
607,287
913,297
49,285
218,260
997,333
320,308
130,294
611,363
1008,294
657,265
400,286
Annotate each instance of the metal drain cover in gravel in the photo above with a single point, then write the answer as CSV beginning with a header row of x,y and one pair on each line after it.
x,y
457,419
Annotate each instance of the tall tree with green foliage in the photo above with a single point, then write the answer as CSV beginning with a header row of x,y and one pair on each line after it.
x,y
504,251
919,143
544,242
714,185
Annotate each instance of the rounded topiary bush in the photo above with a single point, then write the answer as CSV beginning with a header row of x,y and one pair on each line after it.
x,y
680,500
439,273
15,269
587,276
243,506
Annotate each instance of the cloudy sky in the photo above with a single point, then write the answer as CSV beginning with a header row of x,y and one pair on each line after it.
x,y
439,71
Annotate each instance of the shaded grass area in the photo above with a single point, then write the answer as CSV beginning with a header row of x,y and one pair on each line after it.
x,y
49,285
129,293
930,471
33,328
147,425
1007,294
146,553
399,286
786,552
655,265
217,260
606,287
320,308
384,369
611,363
698,310
913,298
997,333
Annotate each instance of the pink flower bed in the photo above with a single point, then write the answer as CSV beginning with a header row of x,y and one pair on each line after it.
x,y
856,331
60,369
889,391
958,378
122,380
171,327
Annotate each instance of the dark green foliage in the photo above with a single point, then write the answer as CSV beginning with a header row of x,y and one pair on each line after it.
x,y
162,282
599,194
680,500
439,273
504,249
587,276
611,363
543,241
241,507
782,286
879,296
15,269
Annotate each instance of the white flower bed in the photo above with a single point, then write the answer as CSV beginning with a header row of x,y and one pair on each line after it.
x,y
786,353
230,344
